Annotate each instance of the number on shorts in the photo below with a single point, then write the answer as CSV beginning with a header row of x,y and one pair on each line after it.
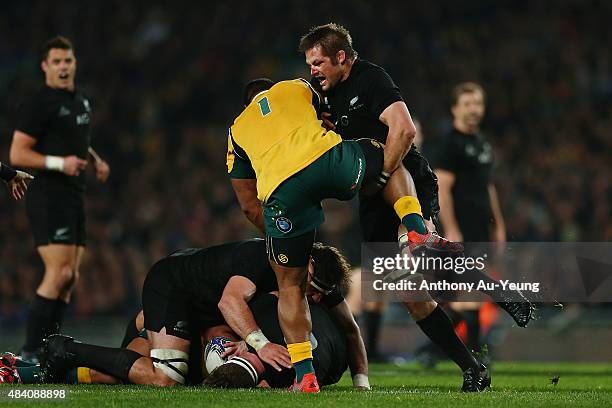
x,y
264,106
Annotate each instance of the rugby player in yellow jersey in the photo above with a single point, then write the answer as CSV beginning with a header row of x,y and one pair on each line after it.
x,y
281,156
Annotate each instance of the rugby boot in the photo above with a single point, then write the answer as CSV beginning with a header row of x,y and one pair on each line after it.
x,y
518,307
9,375
430,244
308,384
8,360
56,361
476,380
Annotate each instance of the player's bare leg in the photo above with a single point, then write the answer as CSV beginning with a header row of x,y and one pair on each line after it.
x,y
166,366
52,295
294,319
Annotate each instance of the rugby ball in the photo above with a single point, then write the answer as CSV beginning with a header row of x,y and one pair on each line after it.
x,y
212,353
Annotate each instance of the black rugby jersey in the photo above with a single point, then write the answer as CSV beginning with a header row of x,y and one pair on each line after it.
x,y
60,122
470,158
203,273
357,102
330,355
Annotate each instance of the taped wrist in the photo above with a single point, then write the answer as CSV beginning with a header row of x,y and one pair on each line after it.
x,y
55,163
382,179
7,173
256,339
361,380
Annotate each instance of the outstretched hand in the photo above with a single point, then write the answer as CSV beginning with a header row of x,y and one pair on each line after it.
x,y
19,184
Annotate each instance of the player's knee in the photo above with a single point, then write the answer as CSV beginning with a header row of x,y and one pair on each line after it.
x,y
420,310
170,367
161,379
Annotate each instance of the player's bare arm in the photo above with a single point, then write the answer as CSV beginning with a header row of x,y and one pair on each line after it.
x,y
235,310
446,180
246,192
499,229
401,134
101,166
357,357
22,154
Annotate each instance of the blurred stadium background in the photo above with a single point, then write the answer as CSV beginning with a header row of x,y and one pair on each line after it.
x,y
166,82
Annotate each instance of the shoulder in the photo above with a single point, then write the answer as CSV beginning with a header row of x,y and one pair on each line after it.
x,y
366,70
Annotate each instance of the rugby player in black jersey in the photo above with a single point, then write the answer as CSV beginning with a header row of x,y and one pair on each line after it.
x,y
330,354
364,102
52,135
195,289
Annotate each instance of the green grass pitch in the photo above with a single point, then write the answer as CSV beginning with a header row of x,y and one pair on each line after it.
x,y
514,385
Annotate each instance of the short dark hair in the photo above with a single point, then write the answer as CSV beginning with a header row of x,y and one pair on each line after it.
x,y
229,376
466,87
331,268
58,41
255,86
331,38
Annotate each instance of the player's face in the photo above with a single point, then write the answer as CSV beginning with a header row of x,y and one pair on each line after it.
x,y
470,109
311,292
323,68
60,69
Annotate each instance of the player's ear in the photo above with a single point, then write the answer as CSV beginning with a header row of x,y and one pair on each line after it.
x,y
341,57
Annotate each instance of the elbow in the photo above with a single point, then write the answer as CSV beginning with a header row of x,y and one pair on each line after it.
x,y
408,134
15,157
223,305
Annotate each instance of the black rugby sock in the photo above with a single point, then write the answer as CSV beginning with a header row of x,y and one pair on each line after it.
x,y
113,361
42,321
472,320
438,327
372,320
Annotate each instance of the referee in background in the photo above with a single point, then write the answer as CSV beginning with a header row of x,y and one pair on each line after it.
x,y
52,134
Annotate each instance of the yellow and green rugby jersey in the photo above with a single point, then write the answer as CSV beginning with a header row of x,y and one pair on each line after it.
x,y
279,134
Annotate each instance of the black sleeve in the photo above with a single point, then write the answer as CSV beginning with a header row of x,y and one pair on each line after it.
x,y
333,299
442,153
31,118
379,90
253,264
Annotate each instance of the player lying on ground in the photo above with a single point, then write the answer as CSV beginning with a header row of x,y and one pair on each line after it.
x,y
198,288
283,163
329,350
243,367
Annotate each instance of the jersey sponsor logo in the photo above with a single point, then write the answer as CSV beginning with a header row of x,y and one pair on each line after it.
x,y
63,111
344,120
82,119
61,234
284,224
282,258
376,143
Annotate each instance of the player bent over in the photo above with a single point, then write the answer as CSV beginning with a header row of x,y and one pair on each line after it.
x,y
280,155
